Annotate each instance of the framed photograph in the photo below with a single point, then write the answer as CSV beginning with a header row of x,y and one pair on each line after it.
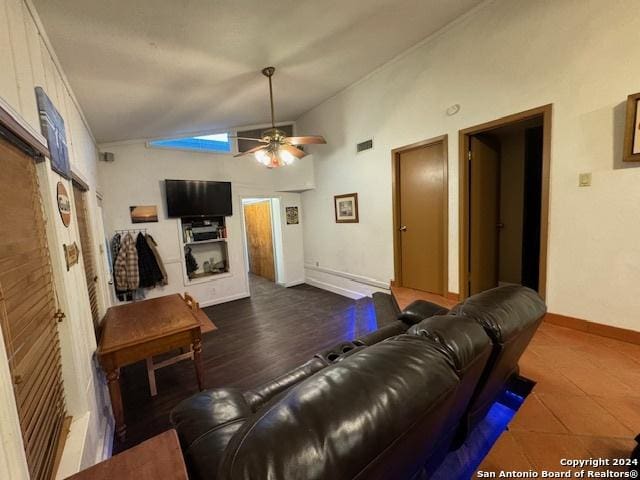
x,y
52,126
632,130
346,208
292,215
143,213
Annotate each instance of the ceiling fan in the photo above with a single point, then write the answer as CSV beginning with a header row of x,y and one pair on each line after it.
x,y
277,149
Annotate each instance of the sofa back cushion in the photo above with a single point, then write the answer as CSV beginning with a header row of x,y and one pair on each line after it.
x,y
376,414
468,348
510,315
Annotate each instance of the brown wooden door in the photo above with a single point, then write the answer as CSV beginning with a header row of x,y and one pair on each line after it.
x,y
484,212
257,218
422,211
86,246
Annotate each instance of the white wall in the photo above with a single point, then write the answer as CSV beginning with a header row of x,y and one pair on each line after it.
x,y
136,178
26,61
505,57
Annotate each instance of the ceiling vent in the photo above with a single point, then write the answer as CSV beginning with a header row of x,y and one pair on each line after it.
x,y
366,145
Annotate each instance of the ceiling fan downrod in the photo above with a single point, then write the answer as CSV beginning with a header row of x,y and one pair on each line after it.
x,y
268,72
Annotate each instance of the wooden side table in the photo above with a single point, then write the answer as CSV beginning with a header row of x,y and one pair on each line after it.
x,y
139,330
158,457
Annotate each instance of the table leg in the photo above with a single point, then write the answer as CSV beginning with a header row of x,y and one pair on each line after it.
x,y
113,379
197,360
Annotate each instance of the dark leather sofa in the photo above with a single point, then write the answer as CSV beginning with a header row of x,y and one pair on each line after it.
x,y
390,405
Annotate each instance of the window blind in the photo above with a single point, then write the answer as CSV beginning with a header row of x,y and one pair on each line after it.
x,y
79,196
27,308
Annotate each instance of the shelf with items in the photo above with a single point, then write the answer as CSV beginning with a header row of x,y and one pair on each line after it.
x,y
205,250
213,240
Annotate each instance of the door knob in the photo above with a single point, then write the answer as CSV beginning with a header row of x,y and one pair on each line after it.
x,y
403,228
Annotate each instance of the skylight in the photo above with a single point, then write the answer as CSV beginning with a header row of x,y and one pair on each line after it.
x,y
215,143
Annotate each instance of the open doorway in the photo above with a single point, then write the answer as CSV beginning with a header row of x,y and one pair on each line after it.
x,y
504,184
263,238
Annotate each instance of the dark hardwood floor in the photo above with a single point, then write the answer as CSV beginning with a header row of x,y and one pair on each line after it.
x,y
258,338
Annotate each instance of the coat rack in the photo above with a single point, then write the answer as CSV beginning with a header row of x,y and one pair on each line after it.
x,y
132,230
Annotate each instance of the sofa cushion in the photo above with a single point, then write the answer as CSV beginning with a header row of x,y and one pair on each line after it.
x,y
504,312
375,414
418,310
463,339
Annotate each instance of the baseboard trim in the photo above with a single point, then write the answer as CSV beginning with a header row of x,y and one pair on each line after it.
x,y
230,298
372,282
335,289
293,284
607,331
453,296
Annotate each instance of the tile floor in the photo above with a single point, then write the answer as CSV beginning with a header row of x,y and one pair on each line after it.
x,y
586,403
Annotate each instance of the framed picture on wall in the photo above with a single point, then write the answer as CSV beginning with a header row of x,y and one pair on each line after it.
x,y
52,126
292,215
143,213
346,207
632,129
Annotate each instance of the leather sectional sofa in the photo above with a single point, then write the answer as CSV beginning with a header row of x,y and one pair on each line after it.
x,y
390,405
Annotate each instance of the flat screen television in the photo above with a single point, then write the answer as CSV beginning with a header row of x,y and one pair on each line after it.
x,y
196,198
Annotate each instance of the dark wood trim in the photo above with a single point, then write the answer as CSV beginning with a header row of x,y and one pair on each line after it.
x,y
395,179
629,128
335,207
463,176
9,122
608,331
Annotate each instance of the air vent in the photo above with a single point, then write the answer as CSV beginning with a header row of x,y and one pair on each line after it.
x,y
366,145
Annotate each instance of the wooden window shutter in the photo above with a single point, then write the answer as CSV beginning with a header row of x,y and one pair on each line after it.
x,y
80,198
27,309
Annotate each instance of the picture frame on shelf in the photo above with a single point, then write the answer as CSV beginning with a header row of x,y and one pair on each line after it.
x,y
346,208
632,129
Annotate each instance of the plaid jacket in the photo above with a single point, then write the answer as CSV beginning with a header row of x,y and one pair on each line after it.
x,y
126,265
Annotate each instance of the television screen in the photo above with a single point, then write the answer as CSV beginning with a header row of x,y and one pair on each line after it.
x,y
195,198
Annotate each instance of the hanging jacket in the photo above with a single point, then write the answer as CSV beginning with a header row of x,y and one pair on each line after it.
x,y
126,265
150,273
154,249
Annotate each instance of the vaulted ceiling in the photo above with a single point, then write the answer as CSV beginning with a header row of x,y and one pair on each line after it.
x,y
149,68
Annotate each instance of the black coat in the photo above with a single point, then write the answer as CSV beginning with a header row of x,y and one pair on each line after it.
x,y
150,273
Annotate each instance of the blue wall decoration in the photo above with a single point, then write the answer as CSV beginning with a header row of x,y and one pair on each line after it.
x,y
52,126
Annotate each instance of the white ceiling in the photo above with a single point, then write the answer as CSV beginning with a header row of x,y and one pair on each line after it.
x,y
149,68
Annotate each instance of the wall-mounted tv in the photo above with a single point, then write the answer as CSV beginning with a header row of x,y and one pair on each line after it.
x,y
196,198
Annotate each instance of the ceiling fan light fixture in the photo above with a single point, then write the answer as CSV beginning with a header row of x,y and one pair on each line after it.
x,y
278,150
287,157
263,157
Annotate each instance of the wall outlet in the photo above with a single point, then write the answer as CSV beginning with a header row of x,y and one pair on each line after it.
x,y
584,179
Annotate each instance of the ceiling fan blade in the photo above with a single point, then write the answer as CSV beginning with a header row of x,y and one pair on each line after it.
x,y
308,140
296,152
252,150
249,139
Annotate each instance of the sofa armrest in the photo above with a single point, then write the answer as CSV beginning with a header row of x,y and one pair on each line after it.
x,y
396,328
206,411
418,310
258,396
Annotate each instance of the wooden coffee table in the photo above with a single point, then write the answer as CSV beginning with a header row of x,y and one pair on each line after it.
x,y
139,330
158,457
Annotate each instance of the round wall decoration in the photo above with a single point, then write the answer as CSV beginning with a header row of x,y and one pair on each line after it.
x,y
64,204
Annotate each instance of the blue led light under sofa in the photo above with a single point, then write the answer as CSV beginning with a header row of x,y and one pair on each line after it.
x,y
394,404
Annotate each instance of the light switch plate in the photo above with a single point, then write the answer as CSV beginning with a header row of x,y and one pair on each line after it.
x,y
584,180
